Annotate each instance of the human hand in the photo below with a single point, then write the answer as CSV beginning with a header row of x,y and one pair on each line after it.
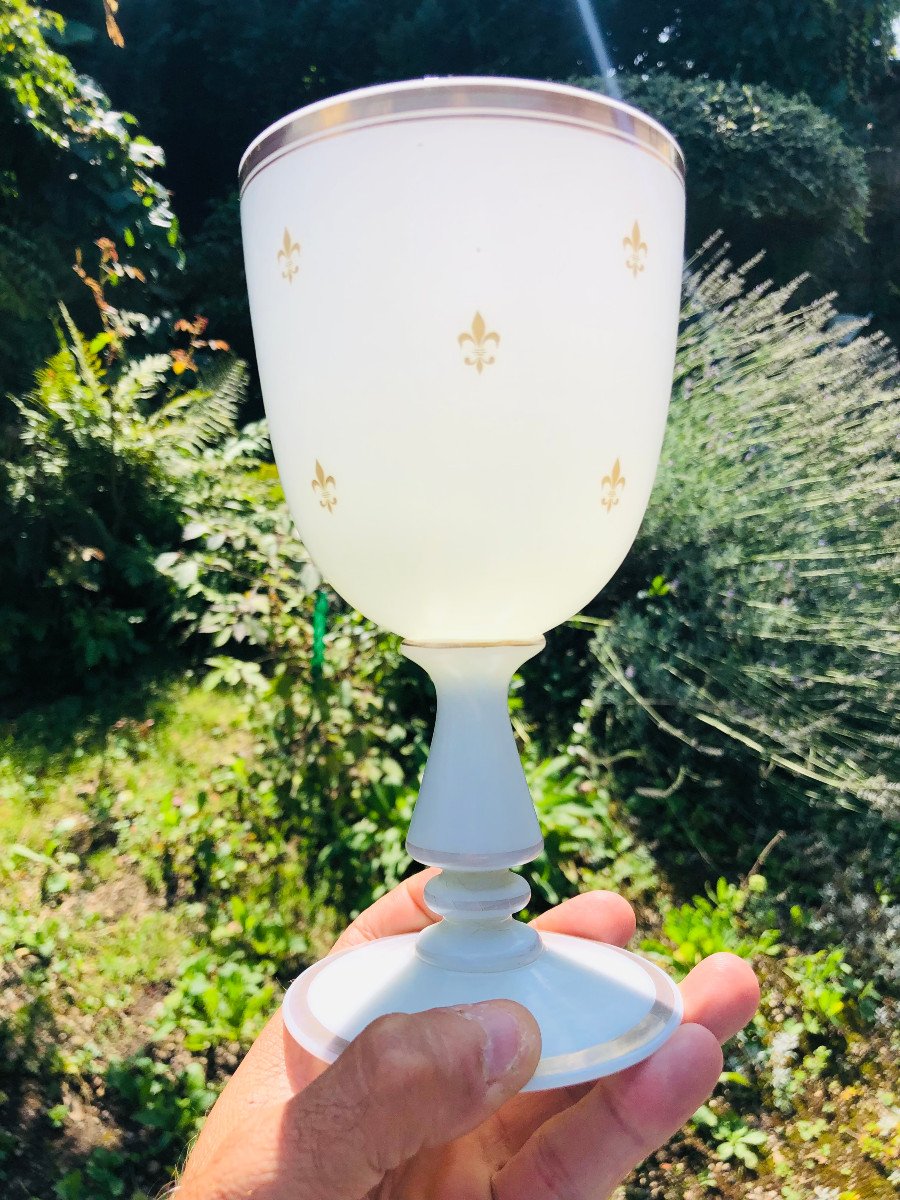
x,y
425,1107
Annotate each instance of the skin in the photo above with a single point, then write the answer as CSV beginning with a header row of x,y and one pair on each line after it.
x,y
412,1109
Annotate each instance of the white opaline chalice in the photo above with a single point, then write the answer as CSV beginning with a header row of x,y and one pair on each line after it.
x,y
465,298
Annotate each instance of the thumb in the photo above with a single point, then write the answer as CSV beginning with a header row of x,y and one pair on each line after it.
x,y
405,1084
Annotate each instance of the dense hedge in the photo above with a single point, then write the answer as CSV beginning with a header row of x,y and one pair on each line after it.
x,y
753,644
773,170
72,170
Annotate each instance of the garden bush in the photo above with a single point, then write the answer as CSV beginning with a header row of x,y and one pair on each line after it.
x,y
771,169
747,650
72,169
90,494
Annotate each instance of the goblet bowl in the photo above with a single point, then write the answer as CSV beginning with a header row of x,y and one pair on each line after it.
x,y
465,296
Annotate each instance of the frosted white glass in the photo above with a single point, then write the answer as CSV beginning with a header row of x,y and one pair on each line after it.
x,y
600,1009
465,295
466,500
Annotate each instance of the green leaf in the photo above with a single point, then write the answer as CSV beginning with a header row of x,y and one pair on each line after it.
x,y
185,572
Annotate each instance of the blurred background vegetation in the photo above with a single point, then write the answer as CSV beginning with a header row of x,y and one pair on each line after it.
x,y
207,763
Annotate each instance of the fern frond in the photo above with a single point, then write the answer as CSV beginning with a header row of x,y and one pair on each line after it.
x,y
200,418
249,446
140,381
90,366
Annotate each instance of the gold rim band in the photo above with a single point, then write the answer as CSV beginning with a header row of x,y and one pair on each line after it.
x,y
539,642
429,99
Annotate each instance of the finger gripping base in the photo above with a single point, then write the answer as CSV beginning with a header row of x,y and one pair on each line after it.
x,y
600,1009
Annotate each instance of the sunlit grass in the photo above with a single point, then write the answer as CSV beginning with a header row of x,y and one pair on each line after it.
x,y
54,759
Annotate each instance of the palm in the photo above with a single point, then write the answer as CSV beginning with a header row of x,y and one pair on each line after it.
x,y
577,1141
467,1167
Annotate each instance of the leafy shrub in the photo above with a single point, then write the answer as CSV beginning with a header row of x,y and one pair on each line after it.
x,y
371,858
772,170
244,580
89,497
72,169
584,844
215,1002
767,666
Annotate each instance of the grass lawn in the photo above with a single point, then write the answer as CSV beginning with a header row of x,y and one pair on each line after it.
x,y
149,920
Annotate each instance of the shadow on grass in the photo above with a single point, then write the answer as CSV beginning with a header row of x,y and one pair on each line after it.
x,y
66,1134
50,736
31,1075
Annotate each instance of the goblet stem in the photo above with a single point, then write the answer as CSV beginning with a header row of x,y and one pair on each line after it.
x,y
478,932
599,1008
475,817
474,810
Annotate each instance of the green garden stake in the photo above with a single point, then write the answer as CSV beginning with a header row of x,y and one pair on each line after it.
x,y
320,626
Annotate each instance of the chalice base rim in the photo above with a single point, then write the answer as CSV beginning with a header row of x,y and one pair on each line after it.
x,y
600,1008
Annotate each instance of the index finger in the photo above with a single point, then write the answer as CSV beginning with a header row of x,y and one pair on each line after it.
x,y
600,916
402,910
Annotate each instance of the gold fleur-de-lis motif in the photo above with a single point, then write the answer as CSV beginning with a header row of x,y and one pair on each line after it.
x,y
635,260
482,344
288,255
612,485
324,487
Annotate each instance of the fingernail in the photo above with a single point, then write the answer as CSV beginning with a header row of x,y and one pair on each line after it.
x,y
503,1040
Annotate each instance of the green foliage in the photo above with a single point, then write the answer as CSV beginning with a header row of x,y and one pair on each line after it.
x,y
90,495
713,924
101,1178
342,749
572,824
57,863
827,989
372,853
770,665
215,1002
72,169
258,927
732,1137
188,846
172,1107
585,845
837,52
243,577
771,169
167,1106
